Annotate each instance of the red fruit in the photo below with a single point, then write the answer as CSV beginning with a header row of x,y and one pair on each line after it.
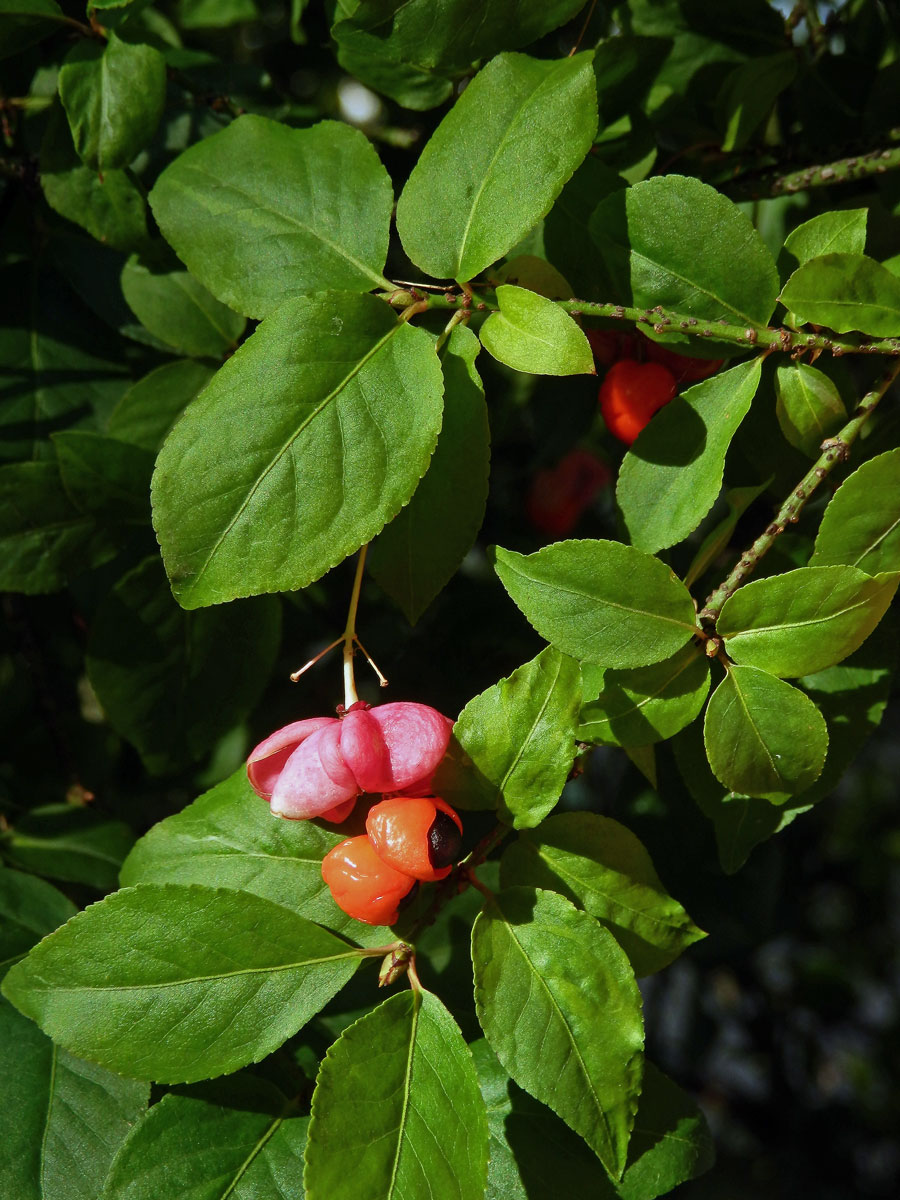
x,y
560,494
362,884
684,369
415,834
312,768
631,393
609,345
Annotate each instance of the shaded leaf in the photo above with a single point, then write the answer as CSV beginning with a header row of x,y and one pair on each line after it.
x,y
603,868
70,843
179,310
150,408
808,405
746,97
105,477
29,909
861,525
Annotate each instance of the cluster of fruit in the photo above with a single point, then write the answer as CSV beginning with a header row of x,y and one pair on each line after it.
x,y
634,390
319,768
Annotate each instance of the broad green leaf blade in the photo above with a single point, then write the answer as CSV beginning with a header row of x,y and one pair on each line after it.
x,y
558,1002
228,838
61,1119
644,705
179,310
529,333
44,539
110,207
600,601
173,682
113,93
496,163
346,414
105,477
397,1096
261,212
670,478
239,1139
179,983
746,97
520,736
861,525
603,868
70,843
842,232
29,909
763,737
534,1155
846,292
149,409
808,405
419,551
717,266
805,620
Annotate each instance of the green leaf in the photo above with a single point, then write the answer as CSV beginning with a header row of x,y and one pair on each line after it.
x,y
496,163
846,292
600,601
530,333
535,274
215,14
113,93
178,309
260,212
738,500
763,737
808,405
61,1119
150,408
70,843
804,620
861,525
644,705
173,682
228,838
241,1139
29,908
110,207
397,1095
417,554
24,22
44,539
670,478
567,241
346,416
559,1004
534,1155
829,233
601,867
520,736
717,266
104,476
179,983
747,95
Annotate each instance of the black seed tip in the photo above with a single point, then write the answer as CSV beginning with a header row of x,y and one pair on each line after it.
x,y
444,841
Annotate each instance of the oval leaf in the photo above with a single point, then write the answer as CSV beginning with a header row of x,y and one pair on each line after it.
x,y
829,233
558,1002
670,478
600,601
804,620
530,333
179,983
260,212
846,292
763,737
29,909
861,525
808,406
346,414
496,163
647,704
397,1095
601,867
178,309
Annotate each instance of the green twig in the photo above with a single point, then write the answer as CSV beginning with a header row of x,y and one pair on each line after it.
x,y
834,451
663,321
844,170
